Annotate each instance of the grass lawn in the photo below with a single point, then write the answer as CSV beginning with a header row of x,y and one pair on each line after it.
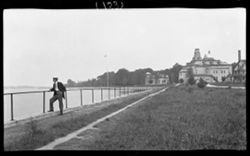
x,y
39,133
181,118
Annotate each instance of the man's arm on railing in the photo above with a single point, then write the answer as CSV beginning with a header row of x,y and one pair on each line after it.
x,y
52,89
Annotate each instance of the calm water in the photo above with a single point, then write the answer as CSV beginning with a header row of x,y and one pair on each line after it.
x,y
27,105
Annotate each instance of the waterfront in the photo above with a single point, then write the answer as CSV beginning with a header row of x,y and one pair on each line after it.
x,y
31,104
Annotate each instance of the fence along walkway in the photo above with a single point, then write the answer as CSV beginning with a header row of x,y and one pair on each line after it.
x,y
121,91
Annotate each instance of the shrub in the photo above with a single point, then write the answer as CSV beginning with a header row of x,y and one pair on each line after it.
x,y
201,83
223,78
181,80
191,80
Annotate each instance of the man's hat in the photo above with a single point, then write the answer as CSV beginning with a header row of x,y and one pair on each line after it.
x,y
55,78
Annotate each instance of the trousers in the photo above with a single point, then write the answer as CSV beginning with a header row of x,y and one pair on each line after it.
x,y
57,96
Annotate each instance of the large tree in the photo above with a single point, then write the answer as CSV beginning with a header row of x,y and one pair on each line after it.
x,y
121,77
70,83
174,73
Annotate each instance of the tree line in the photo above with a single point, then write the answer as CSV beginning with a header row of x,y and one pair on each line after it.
x,y
123,77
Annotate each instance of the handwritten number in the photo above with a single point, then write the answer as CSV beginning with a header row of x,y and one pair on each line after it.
x,y
122,4
104,5
110,4
115,4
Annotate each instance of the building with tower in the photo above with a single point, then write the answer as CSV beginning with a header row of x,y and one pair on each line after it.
x,y
207,68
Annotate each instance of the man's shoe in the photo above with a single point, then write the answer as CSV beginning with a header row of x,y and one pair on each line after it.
x,y
51,111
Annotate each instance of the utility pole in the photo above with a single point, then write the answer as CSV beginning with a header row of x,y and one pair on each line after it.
x,y
106,56
107,79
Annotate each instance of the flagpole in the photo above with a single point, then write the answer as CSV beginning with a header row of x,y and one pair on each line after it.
x,y
107,71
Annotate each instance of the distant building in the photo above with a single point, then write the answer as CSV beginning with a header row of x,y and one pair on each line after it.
x,y
156,79
207,68
239,70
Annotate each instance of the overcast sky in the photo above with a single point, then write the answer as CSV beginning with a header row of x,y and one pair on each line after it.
x,y
71,44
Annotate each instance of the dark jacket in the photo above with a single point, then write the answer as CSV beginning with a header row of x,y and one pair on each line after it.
x,y
61,87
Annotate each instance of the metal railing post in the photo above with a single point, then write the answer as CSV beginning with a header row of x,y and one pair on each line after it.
x,y
114,92
43,101
93,101
11,106
66,99
101,95
81,96
119,91
109,92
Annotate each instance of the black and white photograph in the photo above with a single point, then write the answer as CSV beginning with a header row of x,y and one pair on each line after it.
x,y
124,79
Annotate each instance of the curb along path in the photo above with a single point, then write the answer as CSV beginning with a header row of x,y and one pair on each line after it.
x,y
68,137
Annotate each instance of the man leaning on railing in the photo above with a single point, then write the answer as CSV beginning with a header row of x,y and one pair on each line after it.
x,y
59,90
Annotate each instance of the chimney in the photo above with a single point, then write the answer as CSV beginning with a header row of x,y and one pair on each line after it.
x,y
239,55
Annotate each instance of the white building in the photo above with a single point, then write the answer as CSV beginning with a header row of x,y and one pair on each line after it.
x,y
156,79
207,68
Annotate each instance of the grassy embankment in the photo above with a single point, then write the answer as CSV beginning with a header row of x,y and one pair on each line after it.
x,y
181,118
35,134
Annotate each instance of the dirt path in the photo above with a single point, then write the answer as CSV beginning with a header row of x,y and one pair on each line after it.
x,y
233,87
